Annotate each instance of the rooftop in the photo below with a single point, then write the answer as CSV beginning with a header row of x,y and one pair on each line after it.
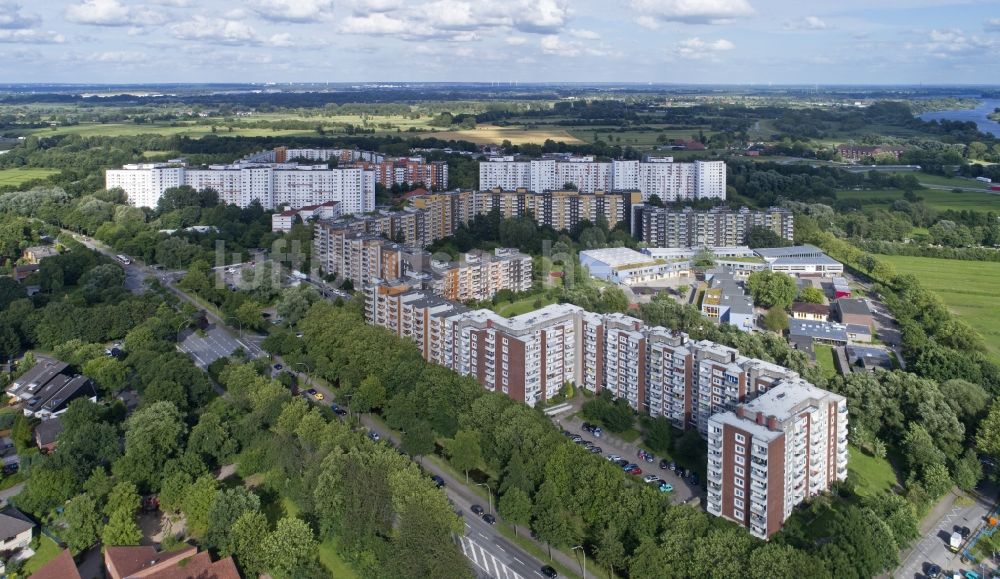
x,y
817,330
789,398
794,251
62,567
808,308
616,256
853,306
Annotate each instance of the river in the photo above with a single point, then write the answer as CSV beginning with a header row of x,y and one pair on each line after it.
x,y
977,115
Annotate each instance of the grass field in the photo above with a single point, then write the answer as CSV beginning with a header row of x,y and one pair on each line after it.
x,y
968,288
197,131
936,198
643,139
824,359
331,559
47,551
873,475
949,181
21,175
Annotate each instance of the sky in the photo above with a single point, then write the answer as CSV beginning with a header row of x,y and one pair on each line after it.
x,y
659,41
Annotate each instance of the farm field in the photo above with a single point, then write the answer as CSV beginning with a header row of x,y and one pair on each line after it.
x,y
936,198
635,138
949,181
197,131
517,135
20,175
968,288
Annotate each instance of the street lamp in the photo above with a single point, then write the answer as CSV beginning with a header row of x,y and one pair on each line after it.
x,y
584,551
490,491
238,323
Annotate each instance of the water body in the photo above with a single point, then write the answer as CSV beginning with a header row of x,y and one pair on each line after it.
x,y
977,115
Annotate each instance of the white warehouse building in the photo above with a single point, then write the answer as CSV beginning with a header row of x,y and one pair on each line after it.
x,y
273,185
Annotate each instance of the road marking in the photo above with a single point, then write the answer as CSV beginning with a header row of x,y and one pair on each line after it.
x,y
501,548
482,535
520,562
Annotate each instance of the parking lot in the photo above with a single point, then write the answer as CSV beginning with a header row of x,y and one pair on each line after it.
x,y
683,491
212,344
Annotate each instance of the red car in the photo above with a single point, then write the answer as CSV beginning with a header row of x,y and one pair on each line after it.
x,y
635,470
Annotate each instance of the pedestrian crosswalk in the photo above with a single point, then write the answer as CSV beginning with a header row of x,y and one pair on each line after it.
x,y
486,561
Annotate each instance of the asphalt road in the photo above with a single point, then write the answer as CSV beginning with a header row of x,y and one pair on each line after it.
x,y
932,548
214,343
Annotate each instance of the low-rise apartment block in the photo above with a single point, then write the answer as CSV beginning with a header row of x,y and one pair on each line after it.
x,y
770,454
716,227
282,222
388,171
727,302
47,389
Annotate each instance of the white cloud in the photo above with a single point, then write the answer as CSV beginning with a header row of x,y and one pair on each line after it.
x,y
215,30
112,13
12,18
690,11
283,39
648,22
698,49
807,23
515,40
992,25
555,45
443,18
953,43
117,57
174,3
30,36
584,34
295,10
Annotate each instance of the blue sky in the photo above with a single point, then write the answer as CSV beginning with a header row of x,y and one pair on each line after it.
x,y
681,41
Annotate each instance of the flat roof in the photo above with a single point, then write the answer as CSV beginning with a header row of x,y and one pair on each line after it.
x,y
790,397
794,251
853,306
616,256
816,329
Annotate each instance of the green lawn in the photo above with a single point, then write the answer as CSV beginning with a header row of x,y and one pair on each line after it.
x,y
945,181
334,564
936,198
968,288
872,475
20,175
189,130
47,551
509,310
824,358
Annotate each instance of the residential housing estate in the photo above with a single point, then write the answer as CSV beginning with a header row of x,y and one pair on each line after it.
x,y
660,371
716,227
658,176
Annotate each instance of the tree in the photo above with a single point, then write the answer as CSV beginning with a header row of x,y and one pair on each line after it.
x,y
771,289
229,506
369,395
549,519
417,439
988,435
812,295
515,506
198,503
660,435
761,236
464,451
249,314
776,320
610,549
289,547
153,435
248,535
613,299
108,373
84,524
296,301
121,508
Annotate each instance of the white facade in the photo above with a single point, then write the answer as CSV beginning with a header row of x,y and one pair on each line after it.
x,y
241,184
662,177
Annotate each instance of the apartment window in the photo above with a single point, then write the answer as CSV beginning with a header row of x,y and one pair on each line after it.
x,y
741,439
738,492
739,459
738,503
739,449
737,514
739,471
737,481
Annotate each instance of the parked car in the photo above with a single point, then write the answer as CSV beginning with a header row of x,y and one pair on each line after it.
x,y
338,410
666,487
374,436
597,431
576,438
650,478
673,465
596,449
621,461
478,510
278,366
933,571
664,464
614,457
694,479
438,481
567,433
549,572
587,427
489,519
634,470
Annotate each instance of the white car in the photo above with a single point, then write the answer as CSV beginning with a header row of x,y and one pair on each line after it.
x,y
650,478
613,457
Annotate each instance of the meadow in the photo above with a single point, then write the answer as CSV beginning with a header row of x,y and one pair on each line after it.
x,y
968,288
938,199
19,175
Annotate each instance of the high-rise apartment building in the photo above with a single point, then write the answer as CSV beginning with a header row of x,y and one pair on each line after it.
x,y
770,454
717,227
656,176
272,185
